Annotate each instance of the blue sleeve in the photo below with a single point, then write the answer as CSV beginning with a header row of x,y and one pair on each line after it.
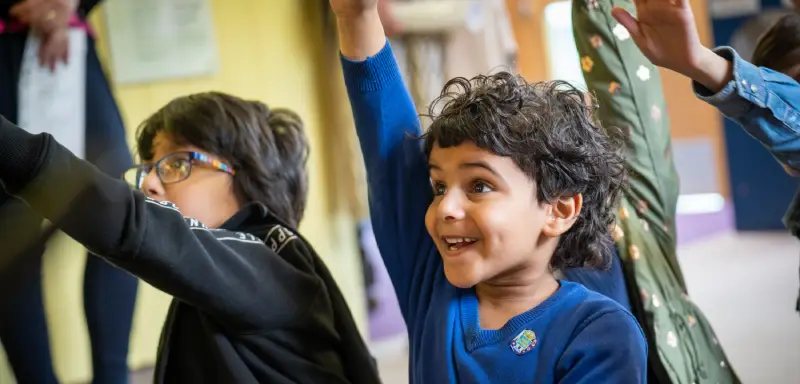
x,y
765,103
611,348
610,283
397,174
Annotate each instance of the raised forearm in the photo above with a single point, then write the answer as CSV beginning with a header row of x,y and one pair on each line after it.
x,y
361,34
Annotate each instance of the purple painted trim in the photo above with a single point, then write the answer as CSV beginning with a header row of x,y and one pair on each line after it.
x,y
692,228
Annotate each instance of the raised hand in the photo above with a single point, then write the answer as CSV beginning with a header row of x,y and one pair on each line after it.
x,y
665,31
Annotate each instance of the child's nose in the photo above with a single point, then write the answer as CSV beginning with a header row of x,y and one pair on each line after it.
x,y
451,207
152,187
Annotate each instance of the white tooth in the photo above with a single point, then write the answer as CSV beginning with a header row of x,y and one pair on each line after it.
x,y
453,248
459,240
469,240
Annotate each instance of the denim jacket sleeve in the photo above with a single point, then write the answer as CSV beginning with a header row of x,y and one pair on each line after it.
x,y
765,103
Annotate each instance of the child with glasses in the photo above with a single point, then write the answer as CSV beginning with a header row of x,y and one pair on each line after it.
x,y
212,221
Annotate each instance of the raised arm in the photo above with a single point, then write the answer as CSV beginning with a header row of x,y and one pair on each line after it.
x,y
225,273
361,33
397,174
764,102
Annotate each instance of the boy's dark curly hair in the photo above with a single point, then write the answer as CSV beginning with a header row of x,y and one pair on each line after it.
x,y
267,147
548,130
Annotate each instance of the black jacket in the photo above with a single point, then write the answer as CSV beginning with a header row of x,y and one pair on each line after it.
x,y
253,302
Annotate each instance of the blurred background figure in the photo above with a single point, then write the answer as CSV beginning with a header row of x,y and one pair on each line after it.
x,y
746,37
779,49
109,294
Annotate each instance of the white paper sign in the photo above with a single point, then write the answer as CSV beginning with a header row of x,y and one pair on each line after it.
x,y
55,101
153,40
723,9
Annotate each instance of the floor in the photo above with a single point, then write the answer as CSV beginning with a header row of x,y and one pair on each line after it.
x,y
746,284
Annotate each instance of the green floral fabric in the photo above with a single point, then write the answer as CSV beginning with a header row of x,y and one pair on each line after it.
x,y
683,347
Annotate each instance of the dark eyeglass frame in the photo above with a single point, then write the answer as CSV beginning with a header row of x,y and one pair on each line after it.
x,y
142,170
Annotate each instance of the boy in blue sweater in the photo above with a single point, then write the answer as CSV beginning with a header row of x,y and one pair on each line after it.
x,y
514,181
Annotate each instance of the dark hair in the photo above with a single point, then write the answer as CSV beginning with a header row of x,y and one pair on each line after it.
x,y
779,48
267,148
548,130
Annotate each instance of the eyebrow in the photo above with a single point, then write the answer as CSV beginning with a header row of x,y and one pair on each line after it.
x,y
471,164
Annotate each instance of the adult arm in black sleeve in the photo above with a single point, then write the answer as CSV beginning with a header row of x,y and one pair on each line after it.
x,y
231,275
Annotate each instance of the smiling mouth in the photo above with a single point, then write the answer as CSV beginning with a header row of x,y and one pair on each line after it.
x,y
458,243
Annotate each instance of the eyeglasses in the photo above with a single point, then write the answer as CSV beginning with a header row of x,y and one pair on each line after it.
x,y
173,168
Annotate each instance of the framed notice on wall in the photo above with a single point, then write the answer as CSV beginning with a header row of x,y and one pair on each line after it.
x,y
155,40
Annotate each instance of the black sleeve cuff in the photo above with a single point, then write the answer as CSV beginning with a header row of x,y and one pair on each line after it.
x,y
21,156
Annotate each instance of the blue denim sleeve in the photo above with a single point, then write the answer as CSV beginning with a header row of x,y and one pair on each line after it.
x,y
765,103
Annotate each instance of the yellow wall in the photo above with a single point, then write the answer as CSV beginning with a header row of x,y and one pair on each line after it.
x,y
271,51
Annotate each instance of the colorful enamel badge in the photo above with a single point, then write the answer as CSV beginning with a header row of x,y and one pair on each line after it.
x,y
524,342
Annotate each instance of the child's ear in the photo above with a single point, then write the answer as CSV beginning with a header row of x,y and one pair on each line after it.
x,y
562,215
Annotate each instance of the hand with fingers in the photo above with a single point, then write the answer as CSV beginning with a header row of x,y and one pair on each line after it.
x,y
665,31
50,18
54,48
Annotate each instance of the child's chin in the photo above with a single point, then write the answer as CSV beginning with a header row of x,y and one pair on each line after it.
x,y
461,279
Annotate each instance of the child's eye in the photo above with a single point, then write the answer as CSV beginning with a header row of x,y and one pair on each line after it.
x,y
438,189
480,186
179,164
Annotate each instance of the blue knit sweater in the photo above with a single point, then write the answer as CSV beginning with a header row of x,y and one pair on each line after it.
x,y
575,336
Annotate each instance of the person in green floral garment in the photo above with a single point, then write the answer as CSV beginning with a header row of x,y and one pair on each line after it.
x,y
682,346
